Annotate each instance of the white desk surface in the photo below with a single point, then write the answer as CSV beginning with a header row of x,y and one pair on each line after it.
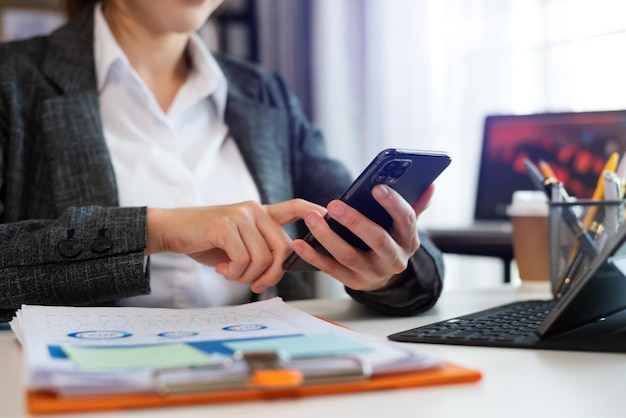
x,y
516,382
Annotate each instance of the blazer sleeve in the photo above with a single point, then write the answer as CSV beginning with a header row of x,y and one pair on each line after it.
x,y
89,256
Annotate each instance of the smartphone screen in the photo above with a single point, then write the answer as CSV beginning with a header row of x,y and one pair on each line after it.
x,y
409,172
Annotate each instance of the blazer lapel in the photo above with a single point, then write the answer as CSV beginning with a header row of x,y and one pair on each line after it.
x,y
260,132
82,173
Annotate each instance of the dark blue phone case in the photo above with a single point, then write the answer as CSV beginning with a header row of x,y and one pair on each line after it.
x,y
409,172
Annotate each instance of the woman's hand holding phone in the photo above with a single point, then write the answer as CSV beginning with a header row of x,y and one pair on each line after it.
x,y
398,178
390,249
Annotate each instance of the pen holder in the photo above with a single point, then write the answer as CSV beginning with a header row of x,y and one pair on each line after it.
x,y
578,232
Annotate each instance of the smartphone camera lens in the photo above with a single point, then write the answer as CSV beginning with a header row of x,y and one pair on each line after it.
x,y
389,167
380,178
392,171
398,173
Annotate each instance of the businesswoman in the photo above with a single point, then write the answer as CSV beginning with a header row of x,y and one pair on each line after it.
x,y
137,168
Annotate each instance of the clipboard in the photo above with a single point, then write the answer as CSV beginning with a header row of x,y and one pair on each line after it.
x,y
250,372
40,402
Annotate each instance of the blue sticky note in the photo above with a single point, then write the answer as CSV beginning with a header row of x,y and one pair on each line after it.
x,y
326,344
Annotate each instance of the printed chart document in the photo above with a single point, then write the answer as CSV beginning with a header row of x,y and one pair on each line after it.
x,y
74,351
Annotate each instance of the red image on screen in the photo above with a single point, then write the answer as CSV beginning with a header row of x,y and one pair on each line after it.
x,y
574,145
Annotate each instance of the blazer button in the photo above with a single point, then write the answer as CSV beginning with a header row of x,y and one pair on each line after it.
x,y
101,245
70,247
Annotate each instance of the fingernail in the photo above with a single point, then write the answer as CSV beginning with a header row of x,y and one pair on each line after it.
x,y
297,247
336,210
311,220
259,289
381,191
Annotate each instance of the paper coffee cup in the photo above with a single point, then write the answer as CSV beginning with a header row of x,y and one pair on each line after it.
x,y
531,247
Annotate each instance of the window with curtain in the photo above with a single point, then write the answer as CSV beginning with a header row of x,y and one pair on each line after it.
x,y
425,73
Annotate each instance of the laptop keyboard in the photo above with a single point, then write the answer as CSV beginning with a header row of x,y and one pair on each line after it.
x,y
506,325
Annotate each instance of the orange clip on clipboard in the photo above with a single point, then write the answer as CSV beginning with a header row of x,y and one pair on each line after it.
x,y
283,384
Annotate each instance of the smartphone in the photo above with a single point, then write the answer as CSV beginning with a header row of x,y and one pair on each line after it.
x,y
409,172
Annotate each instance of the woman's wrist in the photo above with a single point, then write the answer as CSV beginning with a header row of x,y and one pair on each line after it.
x,y
154,222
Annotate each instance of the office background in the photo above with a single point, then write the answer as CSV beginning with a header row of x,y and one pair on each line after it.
x,y
418,74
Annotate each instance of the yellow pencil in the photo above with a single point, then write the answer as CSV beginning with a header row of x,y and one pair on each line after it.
x,y
546,170
598,193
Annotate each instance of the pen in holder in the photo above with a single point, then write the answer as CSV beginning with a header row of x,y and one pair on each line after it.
x,y
578,231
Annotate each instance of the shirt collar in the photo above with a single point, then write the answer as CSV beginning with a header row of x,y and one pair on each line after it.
x,y
106,48
206,74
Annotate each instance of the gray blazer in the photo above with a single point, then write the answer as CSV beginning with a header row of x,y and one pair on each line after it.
x,y
64,240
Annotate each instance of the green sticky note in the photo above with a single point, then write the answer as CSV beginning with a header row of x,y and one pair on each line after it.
x,y
148,356
326,344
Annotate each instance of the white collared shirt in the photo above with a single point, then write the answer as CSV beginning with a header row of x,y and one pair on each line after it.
x,y
181,158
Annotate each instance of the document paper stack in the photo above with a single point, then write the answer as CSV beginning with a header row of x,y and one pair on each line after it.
x,y
80,351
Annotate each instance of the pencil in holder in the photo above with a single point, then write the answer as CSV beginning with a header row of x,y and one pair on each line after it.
x,y
578,231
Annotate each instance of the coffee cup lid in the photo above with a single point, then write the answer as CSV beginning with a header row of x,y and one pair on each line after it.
x,y
528,203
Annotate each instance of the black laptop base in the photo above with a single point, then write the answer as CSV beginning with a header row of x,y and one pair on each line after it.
x,y
498,327
590,316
